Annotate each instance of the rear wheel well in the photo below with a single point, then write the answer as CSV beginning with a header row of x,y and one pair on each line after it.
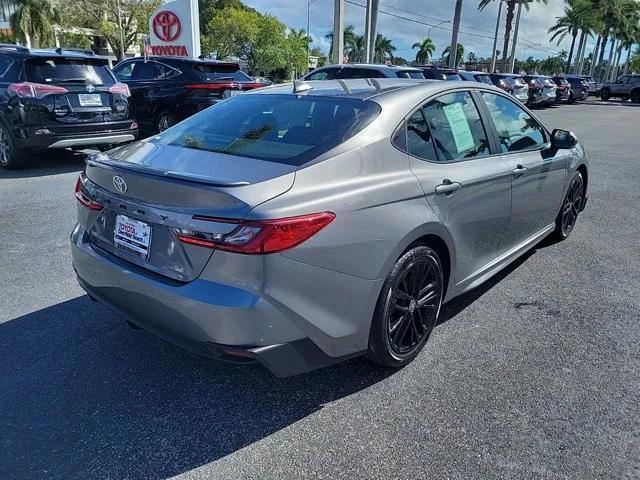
x,y
440,247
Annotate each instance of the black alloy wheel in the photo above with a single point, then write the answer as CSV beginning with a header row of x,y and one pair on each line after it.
x,y
407,309
605,95
9,156
635,96
571,206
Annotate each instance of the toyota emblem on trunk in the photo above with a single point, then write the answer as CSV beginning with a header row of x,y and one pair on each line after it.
x,y
90,88
120,184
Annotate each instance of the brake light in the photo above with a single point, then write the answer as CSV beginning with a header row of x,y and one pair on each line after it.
x,y
258,236
212,86
121,88
83,199
35,90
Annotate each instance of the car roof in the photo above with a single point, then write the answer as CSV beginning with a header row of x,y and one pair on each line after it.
x,y
186,60
50,52
473,72
371,66
368,88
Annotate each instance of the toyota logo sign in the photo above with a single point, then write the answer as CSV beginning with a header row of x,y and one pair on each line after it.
x,y
120,184
166,26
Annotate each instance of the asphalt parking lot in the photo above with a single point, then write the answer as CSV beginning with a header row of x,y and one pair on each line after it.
x,y
536,374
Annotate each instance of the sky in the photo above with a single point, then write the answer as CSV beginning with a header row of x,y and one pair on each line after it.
x,y
476,32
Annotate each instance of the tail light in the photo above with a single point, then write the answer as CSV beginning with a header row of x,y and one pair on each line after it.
x,y
258,236
121,88
85,200
35,90
210,89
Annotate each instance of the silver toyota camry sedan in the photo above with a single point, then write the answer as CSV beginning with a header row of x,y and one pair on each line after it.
x,y
303,224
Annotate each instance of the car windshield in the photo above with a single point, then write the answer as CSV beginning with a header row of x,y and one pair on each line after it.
x,y
519,81
283,128
221,72
68,70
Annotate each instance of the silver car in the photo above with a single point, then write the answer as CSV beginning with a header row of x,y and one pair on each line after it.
x,y
299,225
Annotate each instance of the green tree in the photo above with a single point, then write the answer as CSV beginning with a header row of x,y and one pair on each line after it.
x,y
349,38
508,25
103,16
568,24
322,58
426,49
208,8
74,40
459,53
33,22
384,48
472,58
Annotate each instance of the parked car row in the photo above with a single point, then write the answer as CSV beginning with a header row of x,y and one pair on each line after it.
x,y
71,98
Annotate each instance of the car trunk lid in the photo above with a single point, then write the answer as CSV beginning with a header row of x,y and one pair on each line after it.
x,y
153,190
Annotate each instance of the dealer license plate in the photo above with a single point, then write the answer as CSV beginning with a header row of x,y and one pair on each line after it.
x,y
132,235
90,99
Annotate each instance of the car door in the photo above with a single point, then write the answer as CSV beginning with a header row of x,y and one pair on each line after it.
x,y
539,173
465,182
141,80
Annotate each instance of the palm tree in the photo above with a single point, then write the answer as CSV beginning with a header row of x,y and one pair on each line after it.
x,y
33,22
568,24
459,53
348,37
426,48
383,48
511,7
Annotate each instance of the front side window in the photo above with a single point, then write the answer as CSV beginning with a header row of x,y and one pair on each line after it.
x,y
276,127
517,129
456,127
124,71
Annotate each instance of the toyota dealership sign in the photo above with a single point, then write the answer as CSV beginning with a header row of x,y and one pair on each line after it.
x,y
174,29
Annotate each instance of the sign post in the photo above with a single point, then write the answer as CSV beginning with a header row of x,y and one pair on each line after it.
x,y
174,29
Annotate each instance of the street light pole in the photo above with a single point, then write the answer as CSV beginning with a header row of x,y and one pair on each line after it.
x,y
512,62
309,2
367,32
338,32
453,51
495,40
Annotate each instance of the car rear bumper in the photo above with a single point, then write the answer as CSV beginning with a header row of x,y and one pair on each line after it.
x,y
207,317
84,139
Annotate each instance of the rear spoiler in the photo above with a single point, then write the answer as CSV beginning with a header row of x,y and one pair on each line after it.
x,y
102,160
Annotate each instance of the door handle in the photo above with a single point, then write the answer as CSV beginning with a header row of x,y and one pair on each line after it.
x,y
519,171
447,187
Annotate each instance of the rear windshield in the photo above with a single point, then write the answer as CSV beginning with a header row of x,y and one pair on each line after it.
x,y
68,70
410,74
484,79
221,72
279,128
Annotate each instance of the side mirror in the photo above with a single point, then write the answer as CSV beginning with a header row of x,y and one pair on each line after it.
x,y
563,139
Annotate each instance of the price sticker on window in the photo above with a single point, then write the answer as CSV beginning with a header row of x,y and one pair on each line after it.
x,y
459,127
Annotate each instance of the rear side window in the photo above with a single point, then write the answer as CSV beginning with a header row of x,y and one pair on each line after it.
x,y
5,64
326,74
456,127
516,128
484,79
419,141
220,72
346,73
410,74
68,70
452,76
279,128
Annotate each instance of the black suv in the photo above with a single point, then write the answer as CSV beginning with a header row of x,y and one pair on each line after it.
x,y
58,99
627,86
579,87
165,90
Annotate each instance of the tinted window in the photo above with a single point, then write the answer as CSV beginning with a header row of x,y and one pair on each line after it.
x,y
484,79
145,71
634,80
456,127
410,74
452,76
326,74
278,128
516,128
419,141
220,72
359,73
60,69
5,63
124,71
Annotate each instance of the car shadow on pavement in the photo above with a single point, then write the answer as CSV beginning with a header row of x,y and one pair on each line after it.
x,y
85,396
48,162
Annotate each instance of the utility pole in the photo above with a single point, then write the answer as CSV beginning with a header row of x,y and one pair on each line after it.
x,y
512,62
367,32
495,39
309,2
338,32
374,29
122,57
453,50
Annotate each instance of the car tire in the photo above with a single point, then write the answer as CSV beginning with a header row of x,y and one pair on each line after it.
x,y
605,95
407,308
164,120
570,209
635,96
10,158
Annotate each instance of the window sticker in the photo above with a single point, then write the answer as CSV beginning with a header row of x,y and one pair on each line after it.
x,y
459,127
